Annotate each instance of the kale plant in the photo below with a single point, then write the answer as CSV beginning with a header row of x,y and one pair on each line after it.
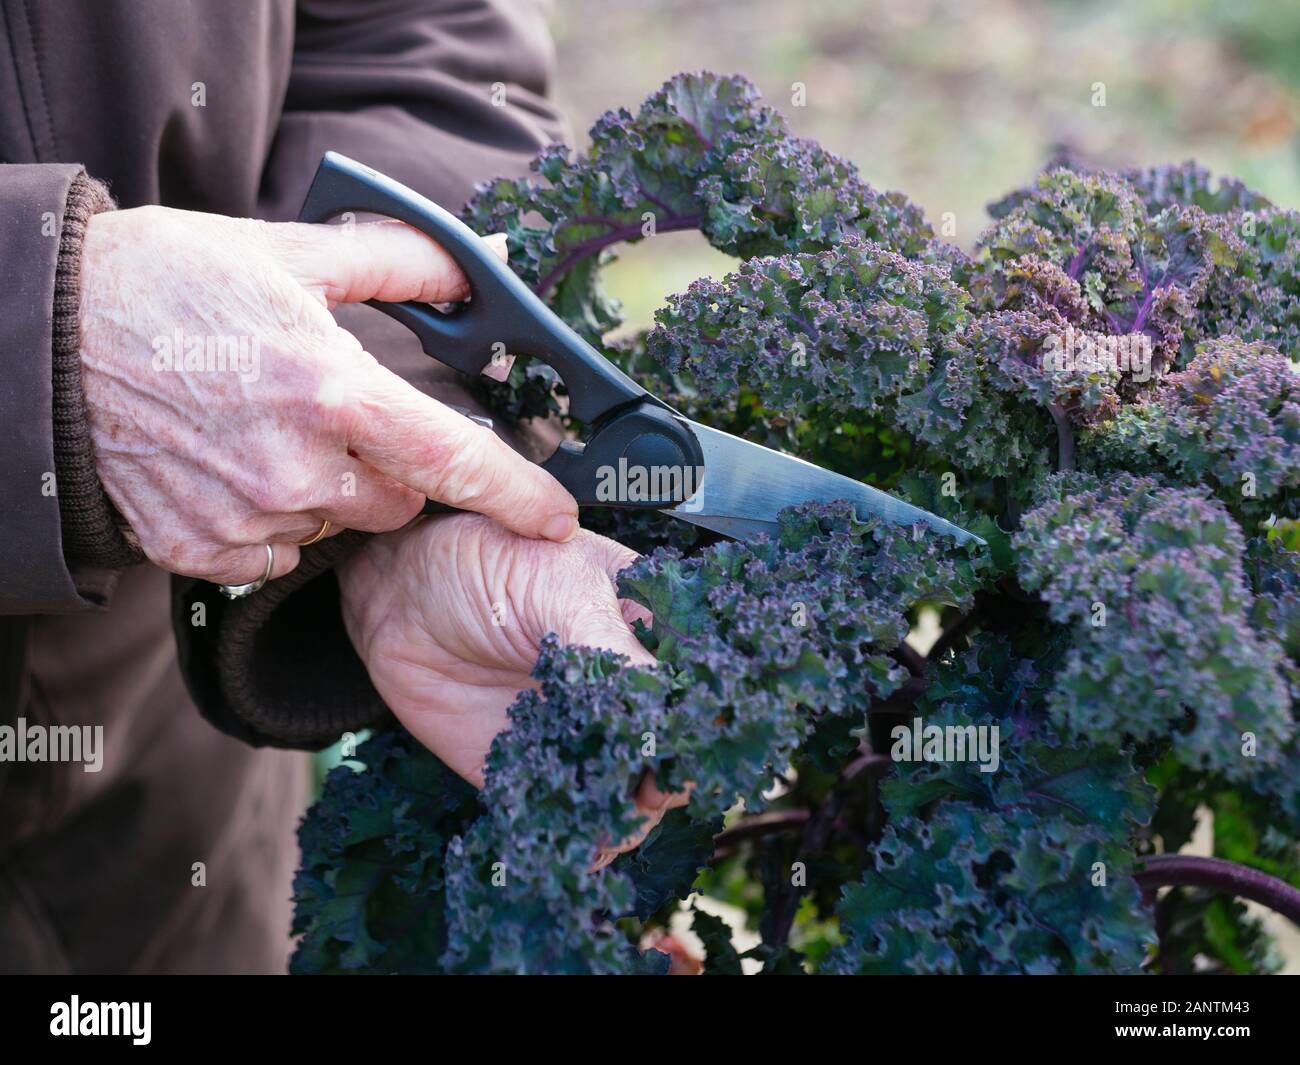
x,y
1103,390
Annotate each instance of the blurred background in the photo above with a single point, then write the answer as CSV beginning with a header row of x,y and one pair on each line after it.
x,y
956,102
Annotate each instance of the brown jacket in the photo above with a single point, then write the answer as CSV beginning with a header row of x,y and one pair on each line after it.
x,y
96,869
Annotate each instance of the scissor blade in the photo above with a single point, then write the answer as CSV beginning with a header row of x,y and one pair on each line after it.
x,y
746,485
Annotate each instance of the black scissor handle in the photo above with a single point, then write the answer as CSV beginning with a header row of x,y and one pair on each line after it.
x,y
630,427
503,314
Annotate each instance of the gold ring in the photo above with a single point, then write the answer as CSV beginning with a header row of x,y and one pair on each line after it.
x,y
325,527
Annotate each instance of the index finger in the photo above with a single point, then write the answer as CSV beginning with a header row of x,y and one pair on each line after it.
x,y
429,447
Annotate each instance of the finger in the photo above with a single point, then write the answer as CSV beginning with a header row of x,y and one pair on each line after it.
x,y
612,555
616,558
426,446
650,799
297,528
385,260
360,497
603,859
599,622
651,804
243,565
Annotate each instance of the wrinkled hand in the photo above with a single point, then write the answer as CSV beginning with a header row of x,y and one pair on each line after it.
x,y
207,464
449,614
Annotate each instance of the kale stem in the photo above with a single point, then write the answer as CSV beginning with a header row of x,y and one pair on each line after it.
x,y
1217,874
757,825
909,657
948,638
614,235
818,827
1064,438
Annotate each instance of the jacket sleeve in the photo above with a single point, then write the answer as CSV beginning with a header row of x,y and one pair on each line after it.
x,y
62,543
440,96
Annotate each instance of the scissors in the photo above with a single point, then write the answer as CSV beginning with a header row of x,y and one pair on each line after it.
x,y
639,452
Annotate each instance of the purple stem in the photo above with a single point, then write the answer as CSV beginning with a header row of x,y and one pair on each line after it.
x,y
1140,318
1076,264
655,200
1064,438
814,334
759,825
615,234
1216,874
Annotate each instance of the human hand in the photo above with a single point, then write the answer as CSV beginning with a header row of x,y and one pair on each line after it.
x,y
207,465
448,616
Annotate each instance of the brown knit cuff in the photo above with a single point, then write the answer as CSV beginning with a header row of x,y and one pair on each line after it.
x,y
285,667
93,532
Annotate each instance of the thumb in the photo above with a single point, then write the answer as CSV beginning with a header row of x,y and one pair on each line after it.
x,y
600,624
591,612
616,558
384,260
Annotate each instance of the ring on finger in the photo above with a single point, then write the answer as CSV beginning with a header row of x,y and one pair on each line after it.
x,y
320,535
238,591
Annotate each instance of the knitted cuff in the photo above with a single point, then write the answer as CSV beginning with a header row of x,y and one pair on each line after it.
x,y
94,535
286,674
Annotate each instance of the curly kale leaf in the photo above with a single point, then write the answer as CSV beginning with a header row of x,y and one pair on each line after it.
x,y
1149,580
772,638
860,331
971,891
1087,247
669,859
756,645
1230,420
701,153
1038,769
1189,185
1161,250
850,329
720,955
370,892
1153,315
1004,876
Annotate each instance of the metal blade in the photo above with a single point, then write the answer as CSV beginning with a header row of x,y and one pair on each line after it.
x,y
483,421
746,485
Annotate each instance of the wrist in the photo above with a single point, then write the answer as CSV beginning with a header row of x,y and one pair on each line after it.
x,y
93,532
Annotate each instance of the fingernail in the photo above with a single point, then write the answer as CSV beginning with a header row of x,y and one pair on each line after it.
x,y
499,242
560,528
